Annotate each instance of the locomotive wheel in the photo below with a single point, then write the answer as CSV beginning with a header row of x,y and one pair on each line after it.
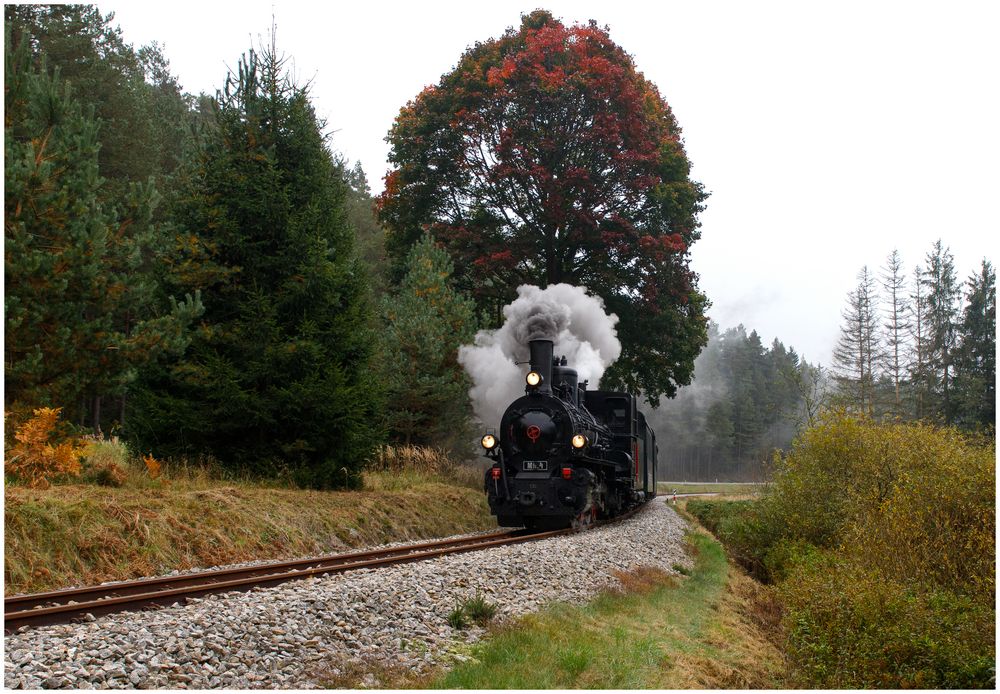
x,y
588,515
585,519
545,523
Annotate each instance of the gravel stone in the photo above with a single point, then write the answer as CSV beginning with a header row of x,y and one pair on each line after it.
x,y
303,633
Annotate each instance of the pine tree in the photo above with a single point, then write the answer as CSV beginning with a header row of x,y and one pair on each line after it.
x,y
140,130
73,262
140,121
56,235
279,375
975,359
426,321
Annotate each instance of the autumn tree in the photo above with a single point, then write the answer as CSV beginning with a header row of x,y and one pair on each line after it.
x,y
279,376
425,321
545,156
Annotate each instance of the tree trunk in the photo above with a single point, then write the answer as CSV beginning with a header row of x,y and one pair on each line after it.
x,y
97,416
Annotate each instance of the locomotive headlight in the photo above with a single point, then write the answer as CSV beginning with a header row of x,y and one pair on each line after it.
x,y
579,441
533,378
489,441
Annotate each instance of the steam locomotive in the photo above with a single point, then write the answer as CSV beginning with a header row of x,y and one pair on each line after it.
x,y
564,455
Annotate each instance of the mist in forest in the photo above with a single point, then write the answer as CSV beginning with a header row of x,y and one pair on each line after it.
x,y
744,402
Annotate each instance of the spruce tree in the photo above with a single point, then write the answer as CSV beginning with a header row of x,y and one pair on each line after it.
x,y
368,232
920,376
426,321
857,352
941,302
975,359
279,375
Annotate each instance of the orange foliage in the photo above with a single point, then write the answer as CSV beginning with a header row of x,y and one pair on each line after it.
x,y
152,465
37,455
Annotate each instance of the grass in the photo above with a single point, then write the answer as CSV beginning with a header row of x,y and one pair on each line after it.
x,y
709,487
709,630
74,534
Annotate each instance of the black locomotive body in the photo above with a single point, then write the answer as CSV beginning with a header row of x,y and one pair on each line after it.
x,y
565,455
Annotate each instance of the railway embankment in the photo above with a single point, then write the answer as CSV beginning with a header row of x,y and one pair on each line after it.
x,y
346,629
84,534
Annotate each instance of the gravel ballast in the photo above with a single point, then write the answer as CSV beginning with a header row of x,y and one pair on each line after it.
x,y
305,633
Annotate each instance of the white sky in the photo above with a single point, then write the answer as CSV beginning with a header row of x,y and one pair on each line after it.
x,y
827,133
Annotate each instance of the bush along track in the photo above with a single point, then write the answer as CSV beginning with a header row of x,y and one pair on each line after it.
x,y
879,539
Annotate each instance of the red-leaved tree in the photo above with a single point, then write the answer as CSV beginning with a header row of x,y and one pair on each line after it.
x,y
546,157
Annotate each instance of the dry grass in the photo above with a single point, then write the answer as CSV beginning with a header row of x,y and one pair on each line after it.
x,y
128,516
741,648
85,534
644,580
392,466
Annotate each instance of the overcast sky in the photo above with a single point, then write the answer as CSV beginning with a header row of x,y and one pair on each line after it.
x,y
827,133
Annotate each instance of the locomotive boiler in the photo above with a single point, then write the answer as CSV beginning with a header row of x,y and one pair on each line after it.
x,y
564,455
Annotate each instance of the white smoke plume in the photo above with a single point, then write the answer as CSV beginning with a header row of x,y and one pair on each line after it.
x,y
574,320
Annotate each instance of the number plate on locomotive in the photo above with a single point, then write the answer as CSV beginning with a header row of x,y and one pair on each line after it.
x,y
535,465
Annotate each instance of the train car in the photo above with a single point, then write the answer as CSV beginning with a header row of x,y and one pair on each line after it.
x,y
565,455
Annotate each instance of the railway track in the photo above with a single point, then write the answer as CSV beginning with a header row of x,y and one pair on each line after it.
x,y
76,604
62,606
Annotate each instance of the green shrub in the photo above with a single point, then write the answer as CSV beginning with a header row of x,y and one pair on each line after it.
x,y
456,618
901,591
851,626
479,610
881,537
916,500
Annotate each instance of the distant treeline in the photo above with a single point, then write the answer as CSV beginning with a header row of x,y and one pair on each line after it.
x,y
746,401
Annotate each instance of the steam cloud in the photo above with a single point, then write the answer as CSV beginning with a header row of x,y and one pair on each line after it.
x,y
574,320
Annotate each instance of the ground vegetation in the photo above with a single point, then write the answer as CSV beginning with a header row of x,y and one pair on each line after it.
x,y
880,539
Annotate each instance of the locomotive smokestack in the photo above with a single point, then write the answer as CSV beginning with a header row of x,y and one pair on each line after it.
x,y
541,362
